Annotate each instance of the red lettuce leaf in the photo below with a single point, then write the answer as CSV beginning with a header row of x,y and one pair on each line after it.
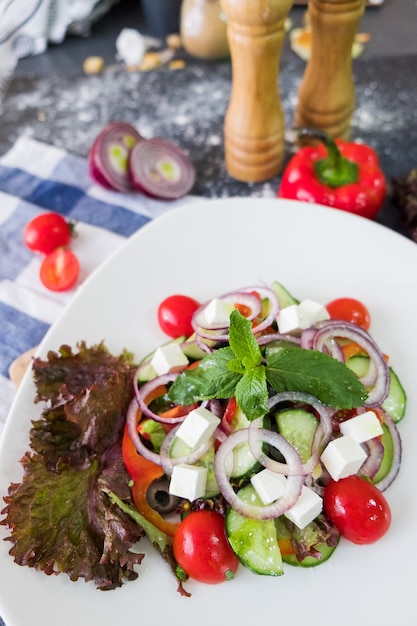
x,y
60,515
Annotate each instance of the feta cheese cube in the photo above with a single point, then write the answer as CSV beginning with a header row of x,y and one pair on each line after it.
x,y
269,485
168,358
188,481
296,317
343,457
362,427
289,320
312,312
198,427
217,313
307,507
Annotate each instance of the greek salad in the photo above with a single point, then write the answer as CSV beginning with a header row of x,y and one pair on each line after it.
x,y
263,431
278,416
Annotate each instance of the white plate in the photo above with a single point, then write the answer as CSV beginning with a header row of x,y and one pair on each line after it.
x,y
204,249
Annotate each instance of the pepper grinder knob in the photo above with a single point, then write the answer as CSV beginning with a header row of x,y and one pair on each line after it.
x,y
326,97
254,121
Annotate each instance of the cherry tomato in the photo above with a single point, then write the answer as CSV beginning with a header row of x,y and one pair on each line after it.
x,y
47,232
175,314
202,550
349,310
59,270
357,508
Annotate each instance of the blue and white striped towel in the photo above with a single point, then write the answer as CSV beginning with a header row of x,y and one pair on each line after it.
x,y
35,177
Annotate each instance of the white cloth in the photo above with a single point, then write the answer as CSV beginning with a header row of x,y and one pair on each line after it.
x,y
36,177
28,26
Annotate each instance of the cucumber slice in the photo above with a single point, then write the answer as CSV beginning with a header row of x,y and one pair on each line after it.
x,y
254,541
386,440
284,297
298,427
180,448
310,561
359,364
284,537
241,462
396,401
192,350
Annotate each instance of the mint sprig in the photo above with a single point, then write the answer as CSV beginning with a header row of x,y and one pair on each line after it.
x,y
243,371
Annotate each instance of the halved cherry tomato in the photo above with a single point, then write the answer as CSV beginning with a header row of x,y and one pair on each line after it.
x,y
59,270
175,314
47,232
202,550
349,310
357,508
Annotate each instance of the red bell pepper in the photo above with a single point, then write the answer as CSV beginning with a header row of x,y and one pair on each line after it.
x,y
143,472
337,173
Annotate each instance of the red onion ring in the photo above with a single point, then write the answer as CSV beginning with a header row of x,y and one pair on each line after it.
x,y
375,451
244,295
383,484
168,462
378,373
255,439
264,340
161,169
271,511
325,412
142,392
132,429
122,136
236,297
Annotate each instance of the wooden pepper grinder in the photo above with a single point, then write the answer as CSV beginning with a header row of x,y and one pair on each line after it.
x,y
254,122
326,98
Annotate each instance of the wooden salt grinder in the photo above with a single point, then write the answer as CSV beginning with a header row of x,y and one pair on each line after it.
x,y
326,98
254,121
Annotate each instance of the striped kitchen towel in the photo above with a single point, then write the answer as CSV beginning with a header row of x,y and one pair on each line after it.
x,y
36,177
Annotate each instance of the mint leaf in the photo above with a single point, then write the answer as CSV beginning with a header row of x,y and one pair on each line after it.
x,y
252,393
211,379
242,341
310,371
236,366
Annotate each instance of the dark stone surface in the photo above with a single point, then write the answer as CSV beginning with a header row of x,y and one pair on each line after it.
x,y
188,107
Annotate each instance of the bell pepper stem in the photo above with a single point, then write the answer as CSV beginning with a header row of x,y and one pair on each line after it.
x,y
334,170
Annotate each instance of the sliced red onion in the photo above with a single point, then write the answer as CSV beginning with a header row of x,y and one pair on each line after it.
x,y
264,340
197,343
168,462
306,337
141,392
161,169
257,435
375,451
378,373
293,486
243,296
133,432
108,158
249,300
383,484
325,413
